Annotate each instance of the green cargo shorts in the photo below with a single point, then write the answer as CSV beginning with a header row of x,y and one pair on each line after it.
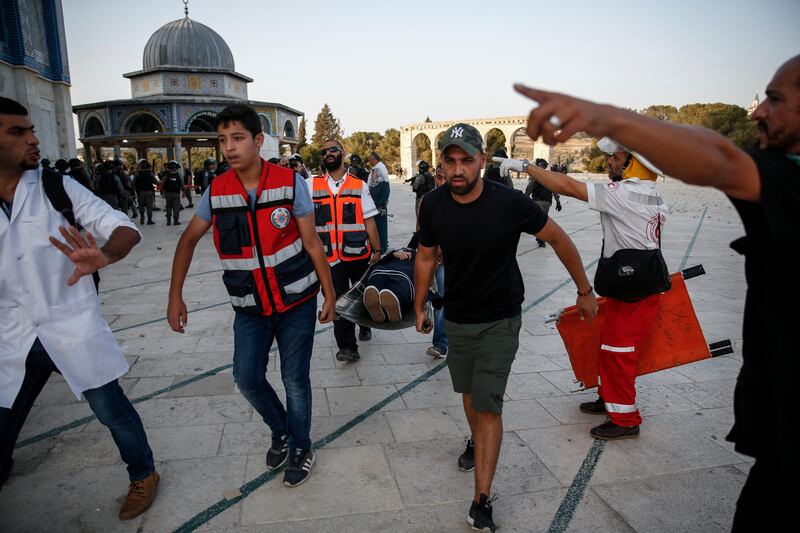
x,y
479,357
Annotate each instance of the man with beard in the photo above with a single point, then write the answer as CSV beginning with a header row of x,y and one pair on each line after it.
x,y
344,211
632,214
764,186
478,223
51,320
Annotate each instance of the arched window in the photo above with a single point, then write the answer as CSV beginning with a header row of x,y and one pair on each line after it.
x,y
266,124
93,127
144,123
288,129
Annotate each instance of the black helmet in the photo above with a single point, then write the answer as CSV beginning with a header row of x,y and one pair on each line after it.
x,y
423,166
62,165
355,159
541,162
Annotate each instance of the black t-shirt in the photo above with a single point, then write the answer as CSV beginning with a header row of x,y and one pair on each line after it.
x,y
479,245
764,400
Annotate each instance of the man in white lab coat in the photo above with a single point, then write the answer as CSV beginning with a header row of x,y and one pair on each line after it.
x,y
50,316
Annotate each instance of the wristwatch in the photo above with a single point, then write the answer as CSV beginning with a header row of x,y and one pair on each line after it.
x,y
525,165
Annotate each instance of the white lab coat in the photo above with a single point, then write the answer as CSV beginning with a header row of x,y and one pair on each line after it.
x,y
35,300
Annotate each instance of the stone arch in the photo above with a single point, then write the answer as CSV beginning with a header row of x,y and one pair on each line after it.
x,y
202,121
142,122
521,145
266,124
421,149
437,154
288,129
494,139
93,126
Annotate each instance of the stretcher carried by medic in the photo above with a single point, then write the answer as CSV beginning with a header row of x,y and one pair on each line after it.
x,y
675,339
383,297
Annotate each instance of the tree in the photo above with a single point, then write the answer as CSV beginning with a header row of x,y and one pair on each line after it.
x,y
389,149
326,127
362,143
661,112
312,158
726,119
594,159
301,135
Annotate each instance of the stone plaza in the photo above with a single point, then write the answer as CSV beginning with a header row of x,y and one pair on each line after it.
x,y
388,428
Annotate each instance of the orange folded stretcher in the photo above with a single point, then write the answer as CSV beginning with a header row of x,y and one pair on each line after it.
x,y
676,338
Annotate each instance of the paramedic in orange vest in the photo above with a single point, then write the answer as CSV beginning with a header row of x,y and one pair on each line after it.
x,y
343,211
632,214
274,264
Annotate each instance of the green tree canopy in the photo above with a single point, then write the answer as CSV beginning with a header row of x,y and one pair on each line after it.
x,y
362,143
326,127
389,149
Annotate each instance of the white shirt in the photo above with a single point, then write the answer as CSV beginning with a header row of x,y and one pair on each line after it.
x,y
629,213
367,204
35,300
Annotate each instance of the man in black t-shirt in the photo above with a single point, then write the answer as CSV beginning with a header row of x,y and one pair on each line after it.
x,y
477,224
764,186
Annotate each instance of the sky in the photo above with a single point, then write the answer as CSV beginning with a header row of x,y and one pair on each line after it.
x,y
382,65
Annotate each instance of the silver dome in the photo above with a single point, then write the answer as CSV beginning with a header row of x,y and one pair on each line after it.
x,y
187,43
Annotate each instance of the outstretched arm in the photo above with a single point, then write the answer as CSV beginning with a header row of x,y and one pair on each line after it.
x,y
697,156
86,256
556,182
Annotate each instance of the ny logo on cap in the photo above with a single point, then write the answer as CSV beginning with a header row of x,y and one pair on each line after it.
x,y
457,133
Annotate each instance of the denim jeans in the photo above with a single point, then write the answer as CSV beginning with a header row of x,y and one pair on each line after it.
x,y
108,403
252,340
439,334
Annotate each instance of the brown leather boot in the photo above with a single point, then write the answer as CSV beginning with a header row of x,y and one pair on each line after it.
x,y
141,494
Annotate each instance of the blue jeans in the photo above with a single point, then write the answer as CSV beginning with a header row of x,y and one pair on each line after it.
x,y
109,404
252,340
439,334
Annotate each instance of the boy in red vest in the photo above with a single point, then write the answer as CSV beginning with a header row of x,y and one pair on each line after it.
x,y
273,263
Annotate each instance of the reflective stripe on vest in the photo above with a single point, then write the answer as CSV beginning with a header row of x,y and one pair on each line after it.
x,y
267,270
277,194
227,201
251,263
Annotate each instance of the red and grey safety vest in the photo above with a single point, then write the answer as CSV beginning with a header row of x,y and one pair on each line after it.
x,y
340,219
266,268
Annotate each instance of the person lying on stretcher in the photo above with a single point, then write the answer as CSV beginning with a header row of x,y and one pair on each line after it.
x,y
389,288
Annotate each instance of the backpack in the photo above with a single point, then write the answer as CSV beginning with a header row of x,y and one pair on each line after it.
x,y
54,189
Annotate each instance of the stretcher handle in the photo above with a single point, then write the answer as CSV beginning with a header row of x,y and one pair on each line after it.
x,y
720,348
693,272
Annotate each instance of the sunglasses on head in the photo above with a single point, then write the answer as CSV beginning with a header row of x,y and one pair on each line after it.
x,y
330,149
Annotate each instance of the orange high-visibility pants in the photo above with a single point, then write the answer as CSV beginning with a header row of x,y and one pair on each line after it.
x,y
627,325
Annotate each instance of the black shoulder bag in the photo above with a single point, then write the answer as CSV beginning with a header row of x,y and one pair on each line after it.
x,y
632,275
54,189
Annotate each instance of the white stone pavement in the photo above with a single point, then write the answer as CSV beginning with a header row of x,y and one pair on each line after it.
x,y
396,470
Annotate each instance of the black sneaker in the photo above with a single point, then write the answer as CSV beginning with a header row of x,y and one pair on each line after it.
x,y
597,407
480,514
608,430
346,354
277,453
299,469
365,334
466,461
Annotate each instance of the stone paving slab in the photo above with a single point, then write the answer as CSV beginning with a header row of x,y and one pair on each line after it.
x,y
395,469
